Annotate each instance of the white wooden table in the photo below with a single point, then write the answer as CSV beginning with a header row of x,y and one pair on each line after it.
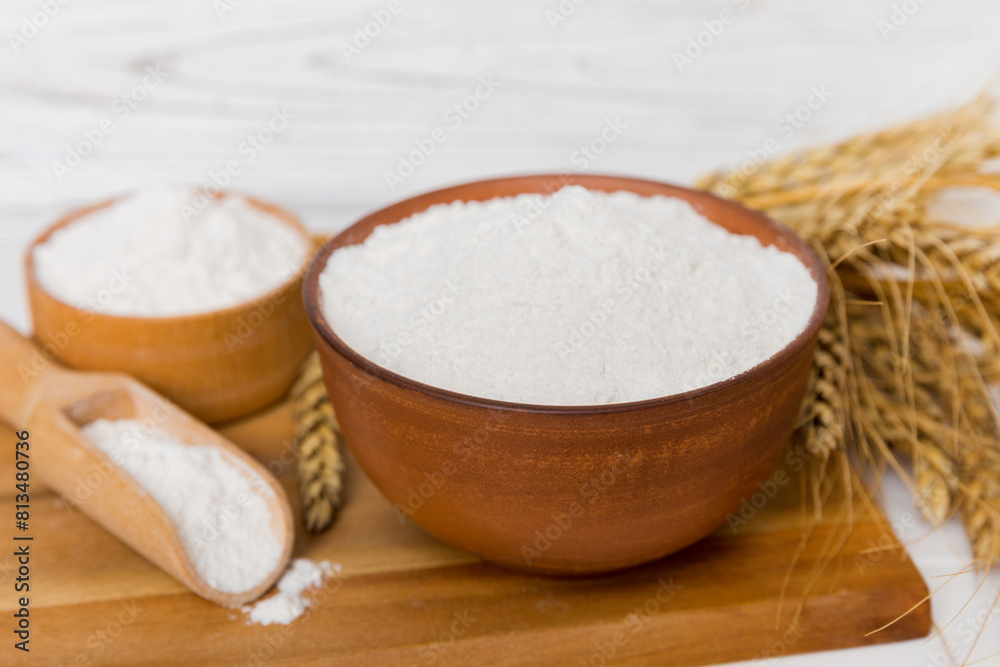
x,y
175,92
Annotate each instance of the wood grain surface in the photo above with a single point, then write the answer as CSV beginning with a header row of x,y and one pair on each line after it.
x,y
403,598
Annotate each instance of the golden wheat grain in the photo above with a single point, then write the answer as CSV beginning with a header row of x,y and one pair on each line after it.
x,y
319,447
824,411
981,507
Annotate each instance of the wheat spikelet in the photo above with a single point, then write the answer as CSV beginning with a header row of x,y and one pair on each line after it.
x,y
934,494
981,507
934,477
910,369
318,444
824,411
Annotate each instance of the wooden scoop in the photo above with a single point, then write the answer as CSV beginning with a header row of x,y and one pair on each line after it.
x,y
53,403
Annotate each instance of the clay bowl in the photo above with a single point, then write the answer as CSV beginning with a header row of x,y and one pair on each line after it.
x,y
576,489
218,365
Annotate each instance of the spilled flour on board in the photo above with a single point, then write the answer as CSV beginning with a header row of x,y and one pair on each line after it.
x,y
289,603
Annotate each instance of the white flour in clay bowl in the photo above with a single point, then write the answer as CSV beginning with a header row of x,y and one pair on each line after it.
x,y
576,298
569,383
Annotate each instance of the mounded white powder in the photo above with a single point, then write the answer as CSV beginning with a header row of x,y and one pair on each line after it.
x,y
578,298
289,603
218,504
169,251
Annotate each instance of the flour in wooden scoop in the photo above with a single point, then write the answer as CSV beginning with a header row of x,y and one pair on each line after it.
x,y
218,505
578,298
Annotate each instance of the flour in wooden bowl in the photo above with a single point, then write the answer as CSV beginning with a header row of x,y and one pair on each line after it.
x,y
575,298
169,251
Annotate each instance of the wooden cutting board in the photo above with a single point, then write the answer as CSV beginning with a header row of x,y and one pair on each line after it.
x,y
403,598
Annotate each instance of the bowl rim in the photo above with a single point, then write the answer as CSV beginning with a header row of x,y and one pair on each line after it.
x,y
283,215
808,257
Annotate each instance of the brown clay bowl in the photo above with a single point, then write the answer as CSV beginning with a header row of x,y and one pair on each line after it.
x,y
573,489
217,365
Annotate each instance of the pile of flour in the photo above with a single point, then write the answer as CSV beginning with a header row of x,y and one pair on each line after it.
x,y
574,298
218,505
289,603
169,251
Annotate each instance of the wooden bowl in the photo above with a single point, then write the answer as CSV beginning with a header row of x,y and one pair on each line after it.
x,y
217,365
572,489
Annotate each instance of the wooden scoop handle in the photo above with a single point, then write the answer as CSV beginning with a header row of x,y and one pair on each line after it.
x,y
22,370
37,394
68,466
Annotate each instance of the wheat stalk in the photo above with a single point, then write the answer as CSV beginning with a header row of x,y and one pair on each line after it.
x,y
907,356
319,445
824,411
